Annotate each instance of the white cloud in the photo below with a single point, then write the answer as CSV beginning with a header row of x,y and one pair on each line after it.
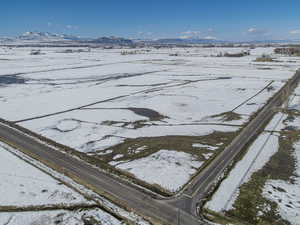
x,y
142,33
207,35
210,38
71,27
252,30
256,31
295,32
191,33
186,37
192,37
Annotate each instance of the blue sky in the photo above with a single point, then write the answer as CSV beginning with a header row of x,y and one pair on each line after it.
x,y
222,19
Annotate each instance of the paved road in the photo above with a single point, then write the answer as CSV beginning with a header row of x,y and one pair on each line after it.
x,y
98,180
198,189
180,210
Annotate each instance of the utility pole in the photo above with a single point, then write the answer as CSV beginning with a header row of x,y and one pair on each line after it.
x,y
178,217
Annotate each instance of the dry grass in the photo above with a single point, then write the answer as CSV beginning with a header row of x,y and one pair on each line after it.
x,y
264,59
250,205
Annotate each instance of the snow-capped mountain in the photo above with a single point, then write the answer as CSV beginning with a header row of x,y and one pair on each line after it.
x,y
112,40
189,40
45,36
5,39
50,38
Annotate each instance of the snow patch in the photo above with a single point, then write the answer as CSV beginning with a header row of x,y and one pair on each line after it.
x,y
209,147
167,168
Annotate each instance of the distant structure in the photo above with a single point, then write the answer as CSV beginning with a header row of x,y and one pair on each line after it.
x,y
75,50
35,52
239,54
288,51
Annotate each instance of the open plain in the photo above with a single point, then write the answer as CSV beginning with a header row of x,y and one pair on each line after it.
x,y
154,118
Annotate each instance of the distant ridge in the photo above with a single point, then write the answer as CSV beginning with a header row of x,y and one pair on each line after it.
x,y
45,36
187,41
112,40
35,38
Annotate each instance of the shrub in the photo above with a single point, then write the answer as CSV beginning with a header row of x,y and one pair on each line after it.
x,y
264,58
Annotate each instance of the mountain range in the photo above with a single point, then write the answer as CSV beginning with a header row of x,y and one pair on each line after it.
x,y
48,38
45,36
51,38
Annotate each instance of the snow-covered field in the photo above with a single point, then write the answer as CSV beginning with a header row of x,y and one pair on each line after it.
x,y
59,217
24,188
174,168
93,101
259,153
29,190
283,192
24,185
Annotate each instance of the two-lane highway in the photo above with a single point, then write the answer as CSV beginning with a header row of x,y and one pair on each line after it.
x,y
180,209
101,182
199,188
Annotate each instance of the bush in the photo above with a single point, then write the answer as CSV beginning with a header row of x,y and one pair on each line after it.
x,y
264,58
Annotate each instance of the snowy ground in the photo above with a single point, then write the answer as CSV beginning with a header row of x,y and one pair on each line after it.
x,y
25,185
58,217
174,168
283,192
93,101
255,159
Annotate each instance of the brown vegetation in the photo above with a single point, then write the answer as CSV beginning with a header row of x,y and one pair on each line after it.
x,y
288,51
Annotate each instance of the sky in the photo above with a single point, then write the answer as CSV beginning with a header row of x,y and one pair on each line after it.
x,y
213,19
